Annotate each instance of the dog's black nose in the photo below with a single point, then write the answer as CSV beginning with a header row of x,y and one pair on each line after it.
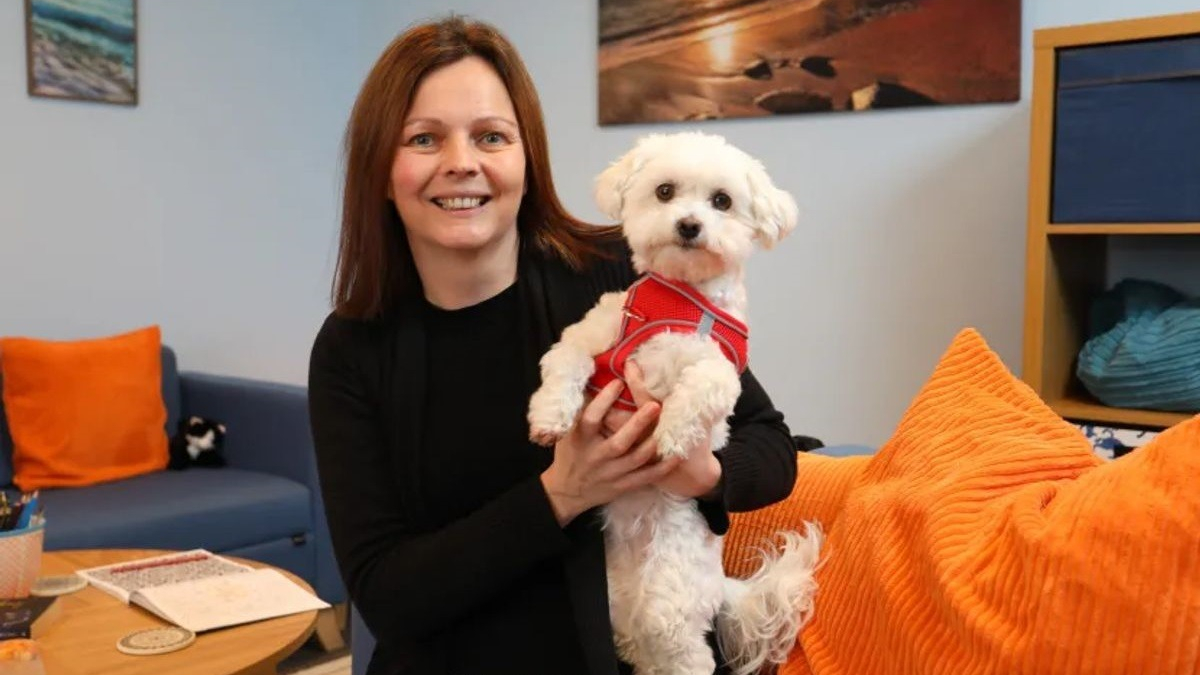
x,y
688,228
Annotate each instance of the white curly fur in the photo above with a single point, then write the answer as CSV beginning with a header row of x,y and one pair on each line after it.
x,y
763,614
665,579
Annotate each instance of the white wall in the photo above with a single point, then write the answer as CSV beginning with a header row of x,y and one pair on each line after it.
x,y
211,208
914,221
208,208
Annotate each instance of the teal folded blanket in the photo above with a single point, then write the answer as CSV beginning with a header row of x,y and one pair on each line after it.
x,y
1143,349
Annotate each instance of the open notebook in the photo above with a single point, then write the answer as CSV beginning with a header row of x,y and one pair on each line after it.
x,y
201,591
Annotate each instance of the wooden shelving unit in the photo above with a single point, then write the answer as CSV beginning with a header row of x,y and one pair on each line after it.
x,y
1123,228
1066,263
1088,409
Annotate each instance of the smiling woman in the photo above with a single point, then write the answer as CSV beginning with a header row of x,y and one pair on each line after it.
x,y
465,547
389,138
457,182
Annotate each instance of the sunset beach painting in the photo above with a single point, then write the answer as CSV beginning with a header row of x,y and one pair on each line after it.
x,y
675,60
82,49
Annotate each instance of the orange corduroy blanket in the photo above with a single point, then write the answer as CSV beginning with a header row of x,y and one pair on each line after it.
x,y
986,537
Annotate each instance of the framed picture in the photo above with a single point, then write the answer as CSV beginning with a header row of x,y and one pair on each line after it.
x,y
674,60
83,50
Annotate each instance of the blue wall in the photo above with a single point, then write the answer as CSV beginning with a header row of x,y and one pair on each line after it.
x,y
212,207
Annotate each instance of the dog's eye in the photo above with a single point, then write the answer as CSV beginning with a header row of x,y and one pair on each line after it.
x,y
665,192
721,201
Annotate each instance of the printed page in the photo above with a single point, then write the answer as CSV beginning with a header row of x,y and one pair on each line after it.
x,y
228,600
122,579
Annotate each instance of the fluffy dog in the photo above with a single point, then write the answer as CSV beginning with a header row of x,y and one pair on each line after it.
x,y
692,208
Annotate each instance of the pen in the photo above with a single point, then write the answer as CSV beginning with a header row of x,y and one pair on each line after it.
x,y
26,512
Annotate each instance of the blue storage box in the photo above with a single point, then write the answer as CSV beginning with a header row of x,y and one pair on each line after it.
x,y
1127,133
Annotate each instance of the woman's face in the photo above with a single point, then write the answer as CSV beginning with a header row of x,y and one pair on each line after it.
x,y
459,174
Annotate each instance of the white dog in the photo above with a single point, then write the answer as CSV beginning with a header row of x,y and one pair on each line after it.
x,y
692,207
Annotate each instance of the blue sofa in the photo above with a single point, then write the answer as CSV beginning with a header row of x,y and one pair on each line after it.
x,y
362,643
265,505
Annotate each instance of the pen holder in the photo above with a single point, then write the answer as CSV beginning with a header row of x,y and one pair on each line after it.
x,y
20,561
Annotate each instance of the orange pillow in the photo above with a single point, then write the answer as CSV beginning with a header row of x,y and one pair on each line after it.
x,y
84,412
986,536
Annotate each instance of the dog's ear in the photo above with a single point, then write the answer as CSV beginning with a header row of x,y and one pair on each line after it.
x,y
774,210
613,182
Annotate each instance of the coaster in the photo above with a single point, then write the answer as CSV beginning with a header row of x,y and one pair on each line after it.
x,y
155,641
58,585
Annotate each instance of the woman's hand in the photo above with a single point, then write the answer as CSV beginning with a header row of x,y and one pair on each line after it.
x,y
592,467
696,476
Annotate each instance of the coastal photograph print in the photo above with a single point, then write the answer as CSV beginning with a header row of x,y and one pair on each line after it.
x,y
674,60
82,49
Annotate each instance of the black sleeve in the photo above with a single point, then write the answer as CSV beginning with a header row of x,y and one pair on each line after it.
x,y
615,272
407,583
758,464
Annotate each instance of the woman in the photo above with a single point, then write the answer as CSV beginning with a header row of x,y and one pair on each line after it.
x,y
466,548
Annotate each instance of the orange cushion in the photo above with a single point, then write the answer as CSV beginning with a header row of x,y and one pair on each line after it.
x,y
84,412
986,536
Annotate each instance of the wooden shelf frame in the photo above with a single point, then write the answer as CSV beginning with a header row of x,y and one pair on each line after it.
x,y
1065,262
1085,409
1127,30
1053,229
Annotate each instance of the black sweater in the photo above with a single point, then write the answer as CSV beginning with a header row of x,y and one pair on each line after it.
x,y
443,534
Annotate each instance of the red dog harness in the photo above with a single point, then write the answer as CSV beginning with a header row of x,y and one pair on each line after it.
x,y
655,305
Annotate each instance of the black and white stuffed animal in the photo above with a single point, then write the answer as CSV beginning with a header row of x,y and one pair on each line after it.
x,y
197,443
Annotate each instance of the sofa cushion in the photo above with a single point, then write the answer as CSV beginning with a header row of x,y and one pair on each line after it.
x,y
986,536
217,509
172,399
5,444
83,412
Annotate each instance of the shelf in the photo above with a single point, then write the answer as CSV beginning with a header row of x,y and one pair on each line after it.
x,y
1069,264
1117,31
1123,228
1084,410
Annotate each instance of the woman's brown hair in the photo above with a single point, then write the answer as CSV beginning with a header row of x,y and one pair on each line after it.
x,y
374,265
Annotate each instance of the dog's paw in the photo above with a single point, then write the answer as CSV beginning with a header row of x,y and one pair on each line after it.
x,y
551,415
545,437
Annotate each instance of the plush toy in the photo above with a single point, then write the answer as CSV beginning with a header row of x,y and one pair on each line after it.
x,y
197,443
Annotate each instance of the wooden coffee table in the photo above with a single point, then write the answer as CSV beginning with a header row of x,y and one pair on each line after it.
x,y
84,638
